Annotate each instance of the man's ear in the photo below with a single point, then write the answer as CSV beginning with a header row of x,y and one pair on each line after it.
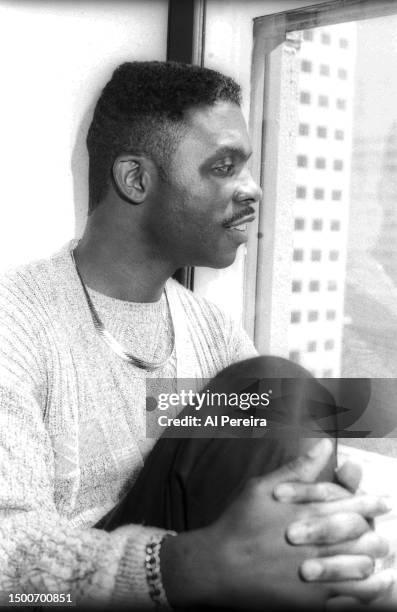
x,y
132,178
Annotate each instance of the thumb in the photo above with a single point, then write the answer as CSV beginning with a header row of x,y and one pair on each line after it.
x,y
305,468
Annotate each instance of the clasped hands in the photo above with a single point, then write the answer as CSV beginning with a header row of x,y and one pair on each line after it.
x,y
285,540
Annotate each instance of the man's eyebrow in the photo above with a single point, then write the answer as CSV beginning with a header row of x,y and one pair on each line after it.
x,y
231,150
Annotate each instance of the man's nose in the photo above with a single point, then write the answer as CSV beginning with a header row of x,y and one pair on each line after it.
x,y
248,190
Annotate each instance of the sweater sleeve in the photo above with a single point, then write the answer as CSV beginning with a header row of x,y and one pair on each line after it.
x,y
40,551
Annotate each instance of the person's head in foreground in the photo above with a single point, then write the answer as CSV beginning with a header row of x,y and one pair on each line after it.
x,y
168,151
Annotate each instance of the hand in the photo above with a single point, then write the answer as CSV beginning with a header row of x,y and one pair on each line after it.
x,y
244,559
351,560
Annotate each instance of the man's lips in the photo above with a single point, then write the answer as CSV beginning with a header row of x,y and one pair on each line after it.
x,y
240,224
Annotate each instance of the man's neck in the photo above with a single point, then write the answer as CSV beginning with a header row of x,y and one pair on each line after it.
x,y
120,269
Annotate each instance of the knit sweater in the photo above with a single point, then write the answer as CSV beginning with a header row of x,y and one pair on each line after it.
x,y
72,425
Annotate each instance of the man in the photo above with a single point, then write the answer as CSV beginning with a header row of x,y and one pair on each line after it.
x,y
81,333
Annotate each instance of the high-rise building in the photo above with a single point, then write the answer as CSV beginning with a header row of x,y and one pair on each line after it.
x,y
321,208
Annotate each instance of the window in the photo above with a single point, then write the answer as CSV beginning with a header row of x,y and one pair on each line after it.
x,y
315,255
295,316
329,345
325,38
318,193
294,356
338,164
341,104
298,255
328,373
335,225
342,73
303,129
333,255
321,131
296,286
339,135
343,43
299,224
312,315
332,285
317,224
324,70
304,97
320,162
323,100
301,192
306,66
308,35
301,161
314,285
331,315
311,346
336,195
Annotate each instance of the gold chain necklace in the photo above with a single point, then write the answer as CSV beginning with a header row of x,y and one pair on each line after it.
x,y
113,344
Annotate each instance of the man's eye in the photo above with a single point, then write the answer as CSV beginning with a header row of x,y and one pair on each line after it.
x,y
224,170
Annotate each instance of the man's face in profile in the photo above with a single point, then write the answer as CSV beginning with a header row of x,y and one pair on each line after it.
x,y
200,215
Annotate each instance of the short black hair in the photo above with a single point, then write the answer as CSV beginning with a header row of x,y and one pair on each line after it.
x,y
141,111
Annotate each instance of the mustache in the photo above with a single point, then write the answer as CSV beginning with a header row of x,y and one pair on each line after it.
x,y
239,215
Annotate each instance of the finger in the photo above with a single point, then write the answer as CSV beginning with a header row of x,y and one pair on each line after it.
x,y
305,468
368,506
338,568
301,492
329,529
370,543
349,475
374,587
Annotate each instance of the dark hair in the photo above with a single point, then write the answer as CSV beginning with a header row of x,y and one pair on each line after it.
x,y
141,111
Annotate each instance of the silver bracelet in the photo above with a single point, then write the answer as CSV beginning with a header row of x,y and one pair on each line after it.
x,y
153,571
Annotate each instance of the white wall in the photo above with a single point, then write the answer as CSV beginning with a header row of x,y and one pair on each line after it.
x,y
228,48
54,58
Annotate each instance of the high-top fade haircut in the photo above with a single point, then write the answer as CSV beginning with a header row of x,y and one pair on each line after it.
x,y
141,111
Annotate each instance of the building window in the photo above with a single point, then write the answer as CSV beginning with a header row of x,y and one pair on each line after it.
x,y
336,195
328,373
294,356
315,255
335,225
298,255
306,66
311,346
321,131
295,316
299,223
317,224
338,164
301,192
332,285
342,73
325,38
301,161
331,315
312,315
339,135
320,163
296,286
324,70
304,97
333,255
329,345
314,285
303,129
323,100
343,43
341,104
318,194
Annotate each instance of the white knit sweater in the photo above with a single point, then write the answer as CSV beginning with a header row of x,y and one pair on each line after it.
x,y
72,426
